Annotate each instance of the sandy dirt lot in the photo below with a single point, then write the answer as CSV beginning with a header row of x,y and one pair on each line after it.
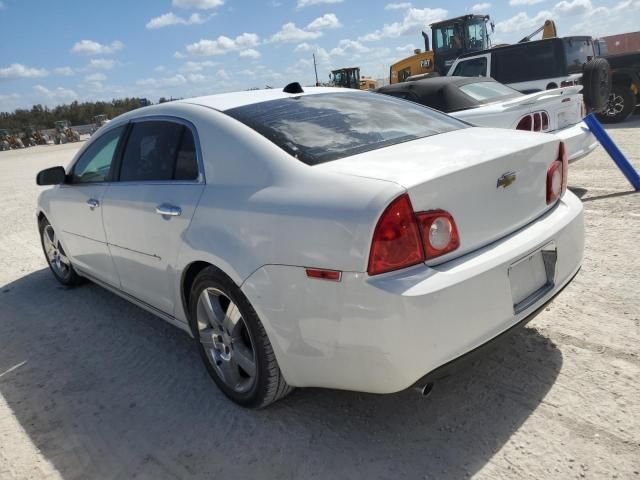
x,y
93,387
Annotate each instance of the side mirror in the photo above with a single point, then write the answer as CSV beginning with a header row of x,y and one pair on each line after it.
x,y
51,176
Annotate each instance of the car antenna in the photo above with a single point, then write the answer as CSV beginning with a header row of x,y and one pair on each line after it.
x,y
293,87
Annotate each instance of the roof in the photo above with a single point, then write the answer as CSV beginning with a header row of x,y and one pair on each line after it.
x,y
441,93
523,45
454,19
227,101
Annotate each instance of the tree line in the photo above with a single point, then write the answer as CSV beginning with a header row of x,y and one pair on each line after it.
x,y
77,113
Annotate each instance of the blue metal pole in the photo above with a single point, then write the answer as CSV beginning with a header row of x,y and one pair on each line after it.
x,y
614,152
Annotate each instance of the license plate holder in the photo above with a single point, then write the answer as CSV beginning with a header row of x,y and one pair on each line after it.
x,y
532,276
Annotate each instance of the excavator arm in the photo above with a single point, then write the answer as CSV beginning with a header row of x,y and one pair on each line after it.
x,y
548,31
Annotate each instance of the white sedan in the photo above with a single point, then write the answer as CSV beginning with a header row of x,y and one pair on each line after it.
x,y
484,102
328,238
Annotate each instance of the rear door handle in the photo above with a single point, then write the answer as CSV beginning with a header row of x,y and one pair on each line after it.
x,y
169,210
93,203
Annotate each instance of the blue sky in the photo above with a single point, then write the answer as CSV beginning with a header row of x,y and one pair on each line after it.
x,y
57,52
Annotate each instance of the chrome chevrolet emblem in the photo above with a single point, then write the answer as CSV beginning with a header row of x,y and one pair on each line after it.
x,y
506,179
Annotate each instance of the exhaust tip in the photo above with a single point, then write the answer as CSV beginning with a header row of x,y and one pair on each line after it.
x,y
425,390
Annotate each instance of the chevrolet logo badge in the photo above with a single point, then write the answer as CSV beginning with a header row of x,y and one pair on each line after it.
x,y
506,179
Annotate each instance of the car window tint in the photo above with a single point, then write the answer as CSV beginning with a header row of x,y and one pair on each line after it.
x,y
186,163
327,126
95,163
545,59
159,151
475,67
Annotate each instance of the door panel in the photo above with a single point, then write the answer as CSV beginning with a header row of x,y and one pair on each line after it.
x,y
80,229
144,244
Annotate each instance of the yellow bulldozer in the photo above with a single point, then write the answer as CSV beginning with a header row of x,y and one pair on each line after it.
x,y
350,78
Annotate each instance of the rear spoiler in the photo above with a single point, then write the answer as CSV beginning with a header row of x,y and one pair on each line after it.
x,y
542,96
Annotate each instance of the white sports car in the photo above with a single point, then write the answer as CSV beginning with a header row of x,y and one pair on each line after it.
x,y
329,238
487,103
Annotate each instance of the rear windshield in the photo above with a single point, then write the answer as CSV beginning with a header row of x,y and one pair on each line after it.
x,y
579,51
486,92
328,126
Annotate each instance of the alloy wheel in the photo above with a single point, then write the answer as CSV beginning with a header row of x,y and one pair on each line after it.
x,y
615,105
226,340
55,253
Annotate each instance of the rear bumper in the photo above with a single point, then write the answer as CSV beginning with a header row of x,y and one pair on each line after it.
x,y
578,140
382,334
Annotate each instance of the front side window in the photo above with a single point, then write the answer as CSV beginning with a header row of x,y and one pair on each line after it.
x,y
95,163
322,127
476,36
159,151
475,67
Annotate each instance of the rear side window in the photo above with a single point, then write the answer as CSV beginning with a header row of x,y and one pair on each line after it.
x,y
322,127
579,52
544,59
475,67
159,151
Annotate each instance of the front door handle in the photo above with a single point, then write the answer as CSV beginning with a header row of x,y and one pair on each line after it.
x,y
169,210
93,203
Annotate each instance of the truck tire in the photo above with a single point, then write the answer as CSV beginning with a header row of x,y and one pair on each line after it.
x,y
596,84
621,103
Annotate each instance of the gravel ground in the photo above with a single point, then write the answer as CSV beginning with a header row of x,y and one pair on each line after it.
x,y
93,387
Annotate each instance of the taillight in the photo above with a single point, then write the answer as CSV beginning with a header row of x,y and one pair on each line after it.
x,y
525,123
557,176
439,233
403,238
537,122
396,240
323,274
545,121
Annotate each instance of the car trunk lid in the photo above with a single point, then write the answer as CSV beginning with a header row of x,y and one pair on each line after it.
x,y
492,181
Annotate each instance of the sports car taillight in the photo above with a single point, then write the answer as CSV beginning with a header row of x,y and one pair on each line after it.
x,y
525,123
557,176
439,233
396,239
403,238
537,122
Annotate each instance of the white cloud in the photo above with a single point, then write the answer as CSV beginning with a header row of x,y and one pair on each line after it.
x,y
521,22
170,18
305,47
223,44
250,53
408,48
173,81
573,7
17,70
89,47
515,3
480,7
197,78
179,55
346,47
397,6
309,3
415,19
95,77
201,4
101,64
66,71
197,66
223,74
58,94
327,21
289,33
160,68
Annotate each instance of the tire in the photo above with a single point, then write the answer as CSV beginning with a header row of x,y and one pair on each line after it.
x,y
56,257
621,104
596,84
233,343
